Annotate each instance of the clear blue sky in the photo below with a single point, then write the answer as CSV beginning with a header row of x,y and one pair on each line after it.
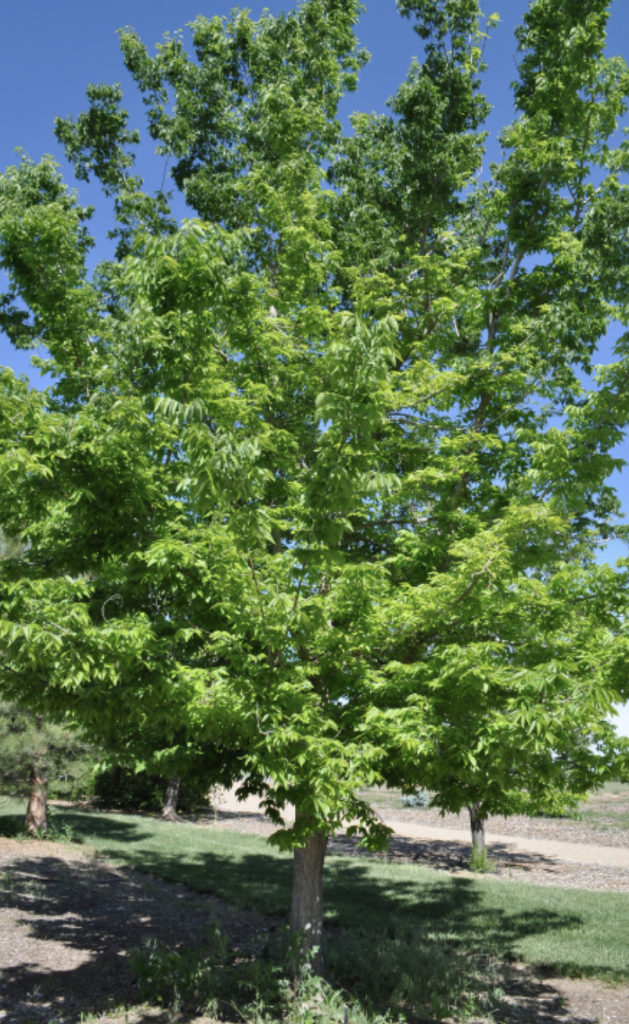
x,y
50,51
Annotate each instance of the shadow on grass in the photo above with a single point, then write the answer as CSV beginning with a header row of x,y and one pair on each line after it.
x,y
358,894
394,935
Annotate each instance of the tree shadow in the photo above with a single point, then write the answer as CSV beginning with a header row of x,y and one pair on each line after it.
x,y
69,926
444,854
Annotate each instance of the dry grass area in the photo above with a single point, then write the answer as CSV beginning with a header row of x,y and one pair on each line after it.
x,y
603,819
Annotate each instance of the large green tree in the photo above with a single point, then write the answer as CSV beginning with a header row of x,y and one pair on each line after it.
x,y
315,498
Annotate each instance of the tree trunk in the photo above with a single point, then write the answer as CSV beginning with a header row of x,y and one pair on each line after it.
x,y
37,810
478,827
306,915
171,798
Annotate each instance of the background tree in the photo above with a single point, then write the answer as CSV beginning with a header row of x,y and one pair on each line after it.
x,y
506,287
37,755
509,712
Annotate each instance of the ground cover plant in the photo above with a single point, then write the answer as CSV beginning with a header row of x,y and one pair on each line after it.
x,y
398,937
316,498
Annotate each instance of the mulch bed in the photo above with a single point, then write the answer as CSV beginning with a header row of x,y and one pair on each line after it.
x,y
68,923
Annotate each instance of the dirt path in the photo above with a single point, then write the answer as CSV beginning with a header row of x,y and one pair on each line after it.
x,y
580,853
610,827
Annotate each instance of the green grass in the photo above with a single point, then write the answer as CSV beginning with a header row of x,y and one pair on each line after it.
x,y
567,930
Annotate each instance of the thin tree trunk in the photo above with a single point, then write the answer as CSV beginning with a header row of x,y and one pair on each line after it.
x,y
478,827
171,798
37,810
306,915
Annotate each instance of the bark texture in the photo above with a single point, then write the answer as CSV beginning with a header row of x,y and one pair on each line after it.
x,y
37,810
306,915
171,799
477,822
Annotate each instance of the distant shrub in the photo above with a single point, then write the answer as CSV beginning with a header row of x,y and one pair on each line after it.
x,y
119,788
419,799
565,815
122,789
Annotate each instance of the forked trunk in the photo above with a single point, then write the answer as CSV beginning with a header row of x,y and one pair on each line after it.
x,y
306,916
37,810
478,828
171,799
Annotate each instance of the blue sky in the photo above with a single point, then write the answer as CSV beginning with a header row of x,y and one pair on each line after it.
x,y
50,52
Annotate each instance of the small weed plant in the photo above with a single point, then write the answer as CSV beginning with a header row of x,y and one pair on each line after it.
x,y
8,886
480,860
58,831
278,986
62,832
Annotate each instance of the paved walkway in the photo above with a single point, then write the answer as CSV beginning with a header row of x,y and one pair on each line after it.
x,y
580,853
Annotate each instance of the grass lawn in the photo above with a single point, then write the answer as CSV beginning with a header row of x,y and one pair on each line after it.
x,y
404,907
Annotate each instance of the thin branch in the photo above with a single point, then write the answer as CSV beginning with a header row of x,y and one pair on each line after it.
x,y
476,576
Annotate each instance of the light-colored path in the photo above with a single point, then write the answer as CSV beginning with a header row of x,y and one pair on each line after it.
x,y
580,853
